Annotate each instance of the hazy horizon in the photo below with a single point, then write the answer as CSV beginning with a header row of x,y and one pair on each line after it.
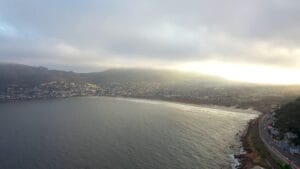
x,y
250,41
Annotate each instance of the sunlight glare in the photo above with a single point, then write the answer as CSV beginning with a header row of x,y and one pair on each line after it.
x,y
245,72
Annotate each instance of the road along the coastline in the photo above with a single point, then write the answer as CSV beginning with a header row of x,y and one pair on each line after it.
x,y
271,146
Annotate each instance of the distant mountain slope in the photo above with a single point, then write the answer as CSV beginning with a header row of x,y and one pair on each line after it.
x,y
17,74
148,75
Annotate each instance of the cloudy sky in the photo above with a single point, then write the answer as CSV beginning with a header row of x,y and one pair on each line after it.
x,y
250,40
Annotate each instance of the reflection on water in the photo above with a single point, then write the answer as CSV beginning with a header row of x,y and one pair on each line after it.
x,y
96,132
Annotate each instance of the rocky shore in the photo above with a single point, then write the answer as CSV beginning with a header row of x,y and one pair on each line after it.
x,y
247,159
256,155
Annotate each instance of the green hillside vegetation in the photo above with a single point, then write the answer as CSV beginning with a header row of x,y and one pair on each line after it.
x,y
288,119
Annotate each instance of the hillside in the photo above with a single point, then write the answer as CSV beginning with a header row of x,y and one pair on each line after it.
x,y
149,76
16,74
288,118
148,83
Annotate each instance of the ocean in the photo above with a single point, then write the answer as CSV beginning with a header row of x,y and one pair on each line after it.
x,y
117,133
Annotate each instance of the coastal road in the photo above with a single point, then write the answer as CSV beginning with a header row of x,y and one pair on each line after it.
x,y
273,148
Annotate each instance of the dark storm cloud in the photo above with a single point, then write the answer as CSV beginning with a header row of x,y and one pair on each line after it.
x,y
116,32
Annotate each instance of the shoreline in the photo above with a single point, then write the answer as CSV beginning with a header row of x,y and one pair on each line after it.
x,y
210,106
241,161
247,156
246,159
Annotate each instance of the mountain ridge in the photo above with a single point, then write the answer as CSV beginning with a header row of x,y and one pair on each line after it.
x,y
11,73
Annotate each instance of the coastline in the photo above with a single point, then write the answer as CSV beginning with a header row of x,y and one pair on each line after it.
x,y
210,106
247,157
245,160
256,154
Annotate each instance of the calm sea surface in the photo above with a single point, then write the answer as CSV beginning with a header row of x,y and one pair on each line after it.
x,y
111,133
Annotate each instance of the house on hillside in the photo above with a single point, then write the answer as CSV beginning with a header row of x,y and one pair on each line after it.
x,y
273,131
283,145
290,135
295,150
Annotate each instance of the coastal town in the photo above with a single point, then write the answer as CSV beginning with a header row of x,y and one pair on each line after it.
x,y
240,97
149,84
236,96
283,140
53,89
284,144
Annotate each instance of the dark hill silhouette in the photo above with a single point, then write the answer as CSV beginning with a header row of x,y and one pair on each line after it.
x,y
148,75
17,74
